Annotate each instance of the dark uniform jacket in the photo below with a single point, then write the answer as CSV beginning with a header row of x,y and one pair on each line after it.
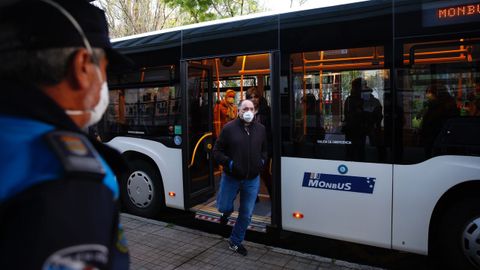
x,y
58,191
246,146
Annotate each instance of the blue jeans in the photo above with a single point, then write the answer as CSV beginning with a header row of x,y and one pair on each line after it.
x,y
229,188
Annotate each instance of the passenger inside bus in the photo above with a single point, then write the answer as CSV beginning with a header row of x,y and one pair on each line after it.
x,y
309,123
363,117
225,111
372,109
262,116
440,106
313,124
473,104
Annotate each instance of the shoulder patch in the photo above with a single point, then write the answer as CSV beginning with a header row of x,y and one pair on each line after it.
x,y
75,152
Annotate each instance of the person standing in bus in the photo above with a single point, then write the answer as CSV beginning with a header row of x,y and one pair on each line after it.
x,y
241,149
58,193
354,126
225,111
363,117
373,116
262,116
473,103
314,130
439,107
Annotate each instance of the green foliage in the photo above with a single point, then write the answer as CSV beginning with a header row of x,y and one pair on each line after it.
x,y
199,10
206,10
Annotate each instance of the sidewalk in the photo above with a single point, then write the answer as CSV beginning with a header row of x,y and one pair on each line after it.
x,y
159,245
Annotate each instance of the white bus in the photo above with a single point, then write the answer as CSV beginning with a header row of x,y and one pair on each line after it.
x,y
390,160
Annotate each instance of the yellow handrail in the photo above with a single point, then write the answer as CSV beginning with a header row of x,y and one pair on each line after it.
x,y
241,76
196,147
218,79
320,84
142,74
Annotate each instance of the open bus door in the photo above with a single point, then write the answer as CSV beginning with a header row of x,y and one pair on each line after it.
x,y
203,125
199,183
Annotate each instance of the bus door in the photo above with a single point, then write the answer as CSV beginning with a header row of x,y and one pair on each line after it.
x,y
197,151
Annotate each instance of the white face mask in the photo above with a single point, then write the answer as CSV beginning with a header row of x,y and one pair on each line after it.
x,y
96,112
248,116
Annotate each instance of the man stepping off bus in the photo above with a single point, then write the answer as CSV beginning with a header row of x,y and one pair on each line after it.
x,y
242,150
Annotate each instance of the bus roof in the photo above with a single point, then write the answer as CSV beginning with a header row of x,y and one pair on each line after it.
x,y
250,24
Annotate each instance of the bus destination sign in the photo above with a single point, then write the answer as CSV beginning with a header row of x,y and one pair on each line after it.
x,y
445,13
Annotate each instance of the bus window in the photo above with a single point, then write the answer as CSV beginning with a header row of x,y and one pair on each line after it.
x,y
152,112
338,102
438,94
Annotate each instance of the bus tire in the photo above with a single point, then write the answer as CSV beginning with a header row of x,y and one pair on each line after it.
x,y
142,190
458,235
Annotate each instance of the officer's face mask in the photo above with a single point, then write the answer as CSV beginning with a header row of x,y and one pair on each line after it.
x,y
97,112
99,109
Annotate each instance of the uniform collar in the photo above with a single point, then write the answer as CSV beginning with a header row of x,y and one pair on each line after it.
x,y
28,101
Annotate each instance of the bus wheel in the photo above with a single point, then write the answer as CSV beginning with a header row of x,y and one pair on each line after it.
x,y
459,235
141,189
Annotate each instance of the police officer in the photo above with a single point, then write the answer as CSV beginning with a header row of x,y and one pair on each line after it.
x,y
58,190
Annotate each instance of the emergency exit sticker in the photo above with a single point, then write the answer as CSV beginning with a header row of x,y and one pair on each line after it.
x,y
178,130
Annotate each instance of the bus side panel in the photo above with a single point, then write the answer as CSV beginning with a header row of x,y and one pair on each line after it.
x,y
417,189
358,212
168,160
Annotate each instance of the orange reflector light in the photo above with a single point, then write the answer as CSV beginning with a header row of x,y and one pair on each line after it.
x,y
171,194
298,215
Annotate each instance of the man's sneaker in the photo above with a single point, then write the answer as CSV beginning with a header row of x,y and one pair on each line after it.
x,y
223,220
240,249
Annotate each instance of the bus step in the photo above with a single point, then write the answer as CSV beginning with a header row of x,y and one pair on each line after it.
x,y
255,225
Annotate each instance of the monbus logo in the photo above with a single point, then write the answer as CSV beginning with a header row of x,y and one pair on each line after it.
x,y
339,182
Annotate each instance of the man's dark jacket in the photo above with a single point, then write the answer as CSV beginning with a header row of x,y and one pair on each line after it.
x,y
245,145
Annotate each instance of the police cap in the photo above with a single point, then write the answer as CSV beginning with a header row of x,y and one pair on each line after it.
x,y
36,25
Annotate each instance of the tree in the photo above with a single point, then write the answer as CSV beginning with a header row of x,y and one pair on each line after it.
x,y
232,8
199,10
205,10
129,17
300,2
